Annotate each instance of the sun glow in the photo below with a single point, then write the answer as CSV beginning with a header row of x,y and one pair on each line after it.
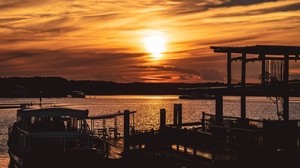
x,y
155,44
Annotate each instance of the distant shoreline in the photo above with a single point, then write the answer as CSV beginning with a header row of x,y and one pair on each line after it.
x,y
35,87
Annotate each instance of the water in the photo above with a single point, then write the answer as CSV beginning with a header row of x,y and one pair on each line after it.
x,y
148,108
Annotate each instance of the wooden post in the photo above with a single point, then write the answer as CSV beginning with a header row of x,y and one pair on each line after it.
x,y
92,125
243,107
162,122
104,123
133,120
286,71
179,114
286,85
263,69
219,110
175,116
228,69
203,121
243,75
126,130
41,98
116,128
243,84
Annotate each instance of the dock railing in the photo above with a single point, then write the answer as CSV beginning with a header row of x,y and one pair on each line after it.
x,y
232,137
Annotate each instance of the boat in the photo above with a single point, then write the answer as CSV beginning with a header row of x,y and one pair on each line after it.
x,y
53,137
197,96
77,94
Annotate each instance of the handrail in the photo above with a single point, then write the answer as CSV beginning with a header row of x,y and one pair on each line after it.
x,y
187,124
233,128
57,134
23,131
231,117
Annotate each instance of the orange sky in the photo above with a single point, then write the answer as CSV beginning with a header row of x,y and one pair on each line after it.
x,y
103,39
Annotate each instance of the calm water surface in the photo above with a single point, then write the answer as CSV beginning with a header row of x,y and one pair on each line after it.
x,y
148,108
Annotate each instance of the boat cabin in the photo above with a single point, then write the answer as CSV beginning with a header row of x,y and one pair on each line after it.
x,y
52,120
59,130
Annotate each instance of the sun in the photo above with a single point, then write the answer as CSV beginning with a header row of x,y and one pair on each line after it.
x,y
155,44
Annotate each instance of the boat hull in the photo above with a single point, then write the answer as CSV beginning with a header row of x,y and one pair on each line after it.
x,y
55,160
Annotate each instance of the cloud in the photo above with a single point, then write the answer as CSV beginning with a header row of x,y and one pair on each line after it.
x,y
101,39
195,6
243,2
187,73
72,64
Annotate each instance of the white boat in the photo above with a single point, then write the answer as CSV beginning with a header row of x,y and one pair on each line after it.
x,y
77,94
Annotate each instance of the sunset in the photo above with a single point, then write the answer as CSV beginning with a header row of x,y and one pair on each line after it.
x,y
122,41
155,44
149,83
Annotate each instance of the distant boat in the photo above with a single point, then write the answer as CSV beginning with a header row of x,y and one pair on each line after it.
x,y
197,96
78,94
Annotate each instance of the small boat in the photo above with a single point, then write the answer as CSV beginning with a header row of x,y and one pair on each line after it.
x,y
53,137
77,94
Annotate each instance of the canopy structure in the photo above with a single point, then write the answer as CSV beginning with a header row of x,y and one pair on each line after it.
x,y
53,112
274,62
105,117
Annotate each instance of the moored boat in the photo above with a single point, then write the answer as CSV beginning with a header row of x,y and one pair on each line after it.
x,y
197,96
53,137
77,94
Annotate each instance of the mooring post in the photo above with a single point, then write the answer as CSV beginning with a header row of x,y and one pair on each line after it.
x,y
175,116
219,110
179,113
203,121
126,130
162,122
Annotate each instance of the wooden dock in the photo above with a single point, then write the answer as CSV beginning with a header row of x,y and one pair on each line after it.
x,y
218,141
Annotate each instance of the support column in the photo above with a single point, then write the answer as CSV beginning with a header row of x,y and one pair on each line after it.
x,y
162,123
263,69
228,69
243,84
243,75
203,121
219,110
126,130
116,128
175,116
104,123
286,85
243,107
286,71
179,113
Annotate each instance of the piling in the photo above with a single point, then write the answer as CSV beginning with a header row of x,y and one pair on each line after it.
x,y
126,130
177,121
175,115
162,122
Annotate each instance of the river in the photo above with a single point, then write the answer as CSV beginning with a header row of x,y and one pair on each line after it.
x,y
148,107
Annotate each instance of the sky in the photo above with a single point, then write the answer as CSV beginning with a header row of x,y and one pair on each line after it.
x,y
140,40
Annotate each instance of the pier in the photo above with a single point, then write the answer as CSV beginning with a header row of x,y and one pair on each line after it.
x,y
223,141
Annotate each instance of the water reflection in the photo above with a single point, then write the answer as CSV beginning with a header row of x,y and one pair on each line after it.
x,y
148,108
